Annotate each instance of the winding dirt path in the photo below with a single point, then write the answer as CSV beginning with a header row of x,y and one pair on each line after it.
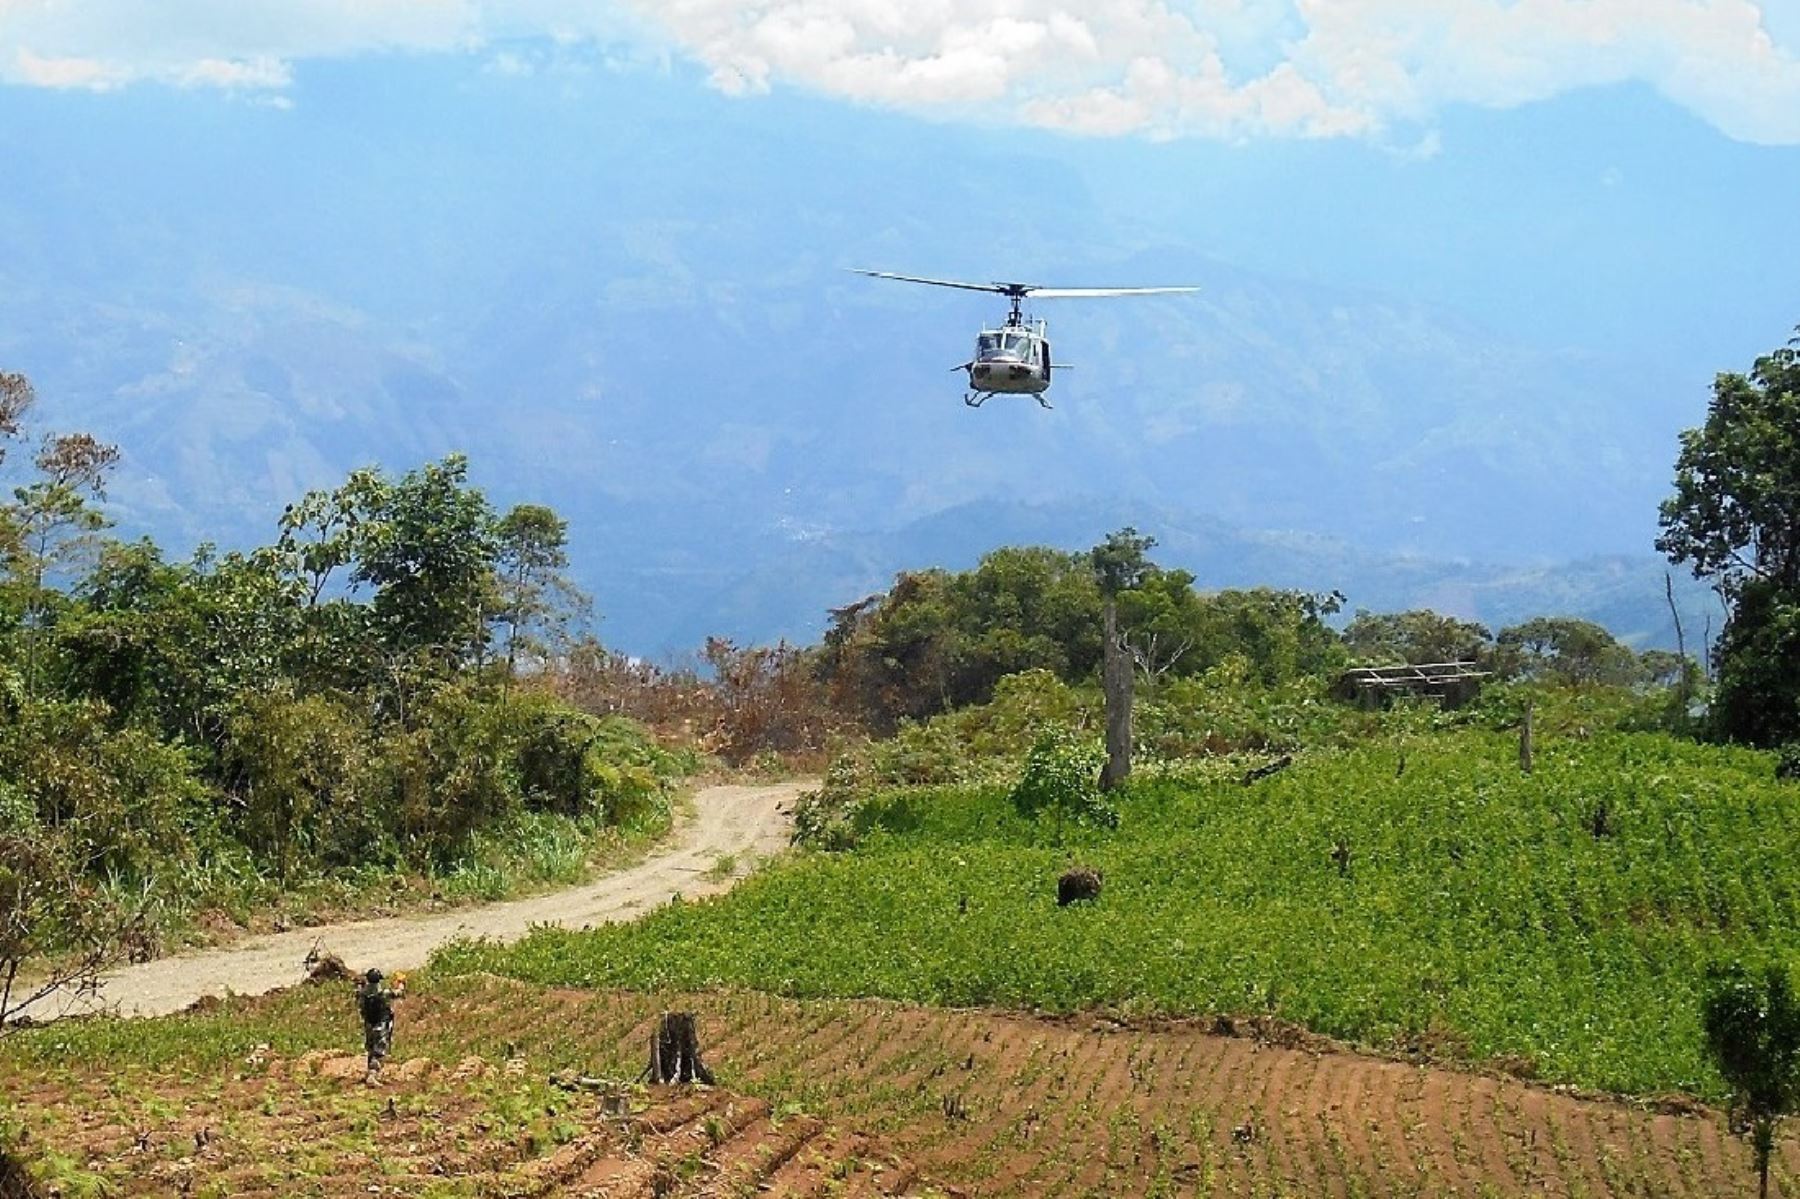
x,y
747,822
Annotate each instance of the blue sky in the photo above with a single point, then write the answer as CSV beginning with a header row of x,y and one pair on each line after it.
x,y
1607,172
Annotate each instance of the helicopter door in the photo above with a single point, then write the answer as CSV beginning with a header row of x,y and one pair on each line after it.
x,y
1044,349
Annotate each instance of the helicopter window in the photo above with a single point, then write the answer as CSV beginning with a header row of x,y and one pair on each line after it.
x,y
1019,346
987,345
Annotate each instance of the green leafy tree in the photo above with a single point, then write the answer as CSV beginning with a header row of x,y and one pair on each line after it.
x,y
298,769
1752,1028
428,548
939,640
1567,650
1415,638
52,523
1735,519
172,645
1059,779
534,598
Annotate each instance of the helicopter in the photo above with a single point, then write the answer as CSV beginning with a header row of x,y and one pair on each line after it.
x,y
1015,358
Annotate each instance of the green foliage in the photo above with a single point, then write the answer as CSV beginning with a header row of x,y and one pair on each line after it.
x,y
1416,638
1481,908
1735,518
533,596
129,805
1757,696
1752,1025
1122,561
428,545
1060,778
303,766
1228,710
1736,507
1565,650
982,742
321,710
1787,762
938,641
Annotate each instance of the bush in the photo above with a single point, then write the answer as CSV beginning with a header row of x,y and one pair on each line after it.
x,y
140,810
1787,762
1061,776
1228,710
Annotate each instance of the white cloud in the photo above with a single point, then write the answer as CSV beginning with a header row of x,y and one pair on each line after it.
x,y
1243,68
1216,68
85,73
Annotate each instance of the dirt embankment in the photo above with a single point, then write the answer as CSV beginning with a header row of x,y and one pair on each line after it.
x,y
745,823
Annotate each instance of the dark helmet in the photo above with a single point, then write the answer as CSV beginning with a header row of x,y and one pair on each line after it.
x,y
373,976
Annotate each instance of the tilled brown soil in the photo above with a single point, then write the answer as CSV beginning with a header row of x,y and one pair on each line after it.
x,y
874,1098
313,1126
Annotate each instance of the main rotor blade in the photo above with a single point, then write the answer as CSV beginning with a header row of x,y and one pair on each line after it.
x,y
932,282
1094,293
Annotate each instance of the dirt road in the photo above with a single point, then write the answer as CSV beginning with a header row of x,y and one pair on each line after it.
x,y
747,822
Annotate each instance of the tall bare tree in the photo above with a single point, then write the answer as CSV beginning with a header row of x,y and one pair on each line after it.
x,y
1120,564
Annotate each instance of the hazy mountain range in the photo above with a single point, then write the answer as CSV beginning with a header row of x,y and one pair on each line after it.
x,y
647,326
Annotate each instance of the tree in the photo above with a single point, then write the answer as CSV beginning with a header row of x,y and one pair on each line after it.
x,y
52,525
1753,1033
1567,650
534,598
1414,638
58,931
1163,620
1120,564
1735,519
16,399
428,547
1059,778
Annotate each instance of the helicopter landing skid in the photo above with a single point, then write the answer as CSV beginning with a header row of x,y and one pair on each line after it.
x,y
976,399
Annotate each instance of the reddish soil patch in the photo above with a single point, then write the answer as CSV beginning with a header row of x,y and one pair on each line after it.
x,y
865,1098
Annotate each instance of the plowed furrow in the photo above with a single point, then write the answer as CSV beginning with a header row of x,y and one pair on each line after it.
x,y
748,1159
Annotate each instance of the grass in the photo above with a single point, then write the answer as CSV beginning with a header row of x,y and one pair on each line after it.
x,y
1560,922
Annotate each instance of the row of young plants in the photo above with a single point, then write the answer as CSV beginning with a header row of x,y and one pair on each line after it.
x,y
1414,890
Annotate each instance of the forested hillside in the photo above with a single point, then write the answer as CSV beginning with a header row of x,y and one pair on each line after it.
x,y
328,715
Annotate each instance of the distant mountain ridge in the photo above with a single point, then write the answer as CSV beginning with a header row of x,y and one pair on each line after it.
x,y
741,434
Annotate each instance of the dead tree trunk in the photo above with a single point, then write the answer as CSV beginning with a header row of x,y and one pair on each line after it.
x,y
1682,687
1116,678
675,1051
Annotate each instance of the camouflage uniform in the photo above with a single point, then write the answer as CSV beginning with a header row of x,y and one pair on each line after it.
x,y
376,1003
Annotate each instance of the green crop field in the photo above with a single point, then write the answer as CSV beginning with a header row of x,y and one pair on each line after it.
x,y
1560,922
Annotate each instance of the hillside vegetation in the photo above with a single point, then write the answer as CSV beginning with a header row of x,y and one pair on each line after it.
x,y
1411,888
341,717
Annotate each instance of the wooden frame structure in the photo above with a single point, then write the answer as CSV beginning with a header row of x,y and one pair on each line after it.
x,y
1451,683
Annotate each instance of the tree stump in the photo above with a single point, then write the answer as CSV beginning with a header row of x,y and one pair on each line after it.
x,y
675,1051
15,1183
1077,885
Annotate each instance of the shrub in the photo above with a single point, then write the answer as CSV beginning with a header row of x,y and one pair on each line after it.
x,y
1787,762
1061,777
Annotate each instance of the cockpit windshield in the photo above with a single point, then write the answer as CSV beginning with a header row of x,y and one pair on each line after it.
x,y
1009,345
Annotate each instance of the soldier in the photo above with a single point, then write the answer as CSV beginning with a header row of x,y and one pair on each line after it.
x,y
376,1002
